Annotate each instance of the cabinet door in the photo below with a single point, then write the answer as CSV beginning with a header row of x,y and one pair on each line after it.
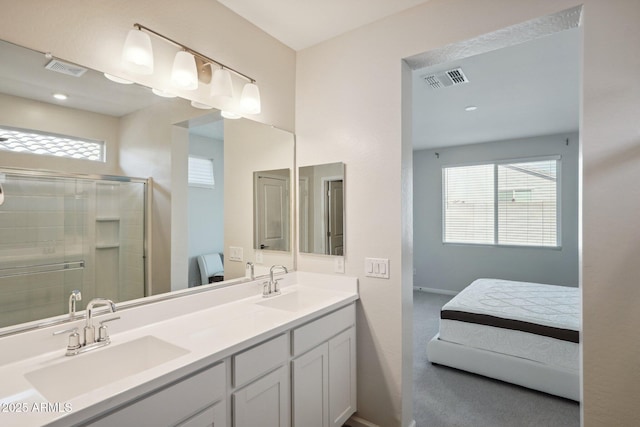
x,y
214,416
265,402
311,388
342,377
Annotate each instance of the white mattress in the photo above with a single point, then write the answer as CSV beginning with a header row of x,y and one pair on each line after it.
x,y
548,305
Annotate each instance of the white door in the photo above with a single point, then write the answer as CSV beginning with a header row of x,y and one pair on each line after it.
x,y
311,388
265,402
342,377
272,213
334,217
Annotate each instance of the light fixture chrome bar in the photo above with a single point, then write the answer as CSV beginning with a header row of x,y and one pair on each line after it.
x,y
195,53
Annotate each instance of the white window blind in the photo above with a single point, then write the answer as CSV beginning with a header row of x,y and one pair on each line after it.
x,y
201,172
469,204
502,204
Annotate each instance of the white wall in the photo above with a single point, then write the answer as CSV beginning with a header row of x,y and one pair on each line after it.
x,y
349,108
451,267
206,206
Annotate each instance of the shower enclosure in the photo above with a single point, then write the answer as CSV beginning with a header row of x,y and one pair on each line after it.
x,y
62,232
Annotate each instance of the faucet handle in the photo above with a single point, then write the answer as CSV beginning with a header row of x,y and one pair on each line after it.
x,y
64,331
74,340
103,332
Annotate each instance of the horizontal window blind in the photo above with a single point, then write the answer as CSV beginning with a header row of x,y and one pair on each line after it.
x,y
502,204
527,207
201,172
469,204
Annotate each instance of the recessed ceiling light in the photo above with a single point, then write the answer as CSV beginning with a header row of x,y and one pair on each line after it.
x,y
470,108
60,96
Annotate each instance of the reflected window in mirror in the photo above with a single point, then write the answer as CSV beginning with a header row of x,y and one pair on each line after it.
x,y
321,209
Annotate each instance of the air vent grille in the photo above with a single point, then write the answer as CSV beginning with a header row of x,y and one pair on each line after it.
x,y
65,68
446,79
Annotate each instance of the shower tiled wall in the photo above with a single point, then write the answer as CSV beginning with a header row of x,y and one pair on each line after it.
x,y
49,228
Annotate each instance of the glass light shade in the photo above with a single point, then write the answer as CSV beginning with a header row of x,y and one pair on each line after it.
x,y
118,79
184,73
221,85
163,93
230,115
250,99
200,105
137,54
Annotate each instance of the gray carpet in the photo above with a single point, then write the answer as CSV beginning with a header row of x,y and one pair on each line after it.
x,y
446,397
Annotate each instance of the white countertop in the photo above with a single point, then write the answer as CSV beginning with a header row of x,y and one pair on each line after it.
x,y
226,321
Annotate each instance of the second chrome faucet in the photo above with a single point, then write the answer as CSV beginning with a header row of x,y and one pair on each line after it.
x,y
89,340
271,288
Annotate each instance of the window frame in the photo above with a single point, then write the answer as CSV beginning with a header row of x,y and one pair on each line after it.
x,y
496,163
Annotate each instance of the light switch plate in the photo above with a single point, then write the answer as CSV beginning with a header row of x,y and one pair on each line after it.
x,y
376,267
235,254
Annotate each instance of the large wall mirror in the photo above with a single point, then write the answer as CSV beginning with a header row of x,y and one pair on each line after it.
x,y
131,226
321,209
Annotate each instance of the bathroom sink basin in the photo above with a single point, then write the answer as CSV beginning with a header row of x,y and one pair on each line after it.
x,y
83,373
292,301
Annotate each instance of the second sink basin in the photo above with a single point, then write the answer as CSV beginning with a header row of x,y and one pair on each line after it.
x,y
292,301
80,374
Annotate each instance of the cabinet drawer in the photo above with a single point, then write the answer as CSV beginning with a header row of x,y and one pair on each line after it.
x,y
312,334
173,404
259,360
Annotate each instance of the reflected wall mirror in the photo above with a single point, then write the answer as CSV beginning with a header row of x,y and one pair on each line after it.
x,y
76,241
321,207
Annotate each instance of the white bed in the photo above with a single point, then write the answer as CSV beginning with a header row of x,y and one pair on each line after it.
x,y
519,332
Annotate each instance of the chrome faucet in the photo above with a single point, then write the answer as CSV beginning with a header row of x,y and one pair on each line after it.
x,y
251,266
75,345
89,329
271,287
75,296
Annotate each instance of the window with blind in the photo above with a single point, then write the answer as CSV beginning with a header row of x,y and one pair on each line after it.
x,y
201,172
510,203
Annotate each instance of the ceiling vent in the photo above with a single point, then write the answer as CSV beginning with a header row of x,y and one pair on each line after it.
x,y
446,79
65,68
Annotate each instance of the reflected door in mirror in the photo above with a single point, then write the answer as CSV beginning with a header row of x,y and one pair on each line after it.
x,y
272,210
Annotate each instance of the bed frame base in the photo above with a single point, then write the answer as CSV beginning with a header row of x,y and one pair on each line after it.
x,y
534,375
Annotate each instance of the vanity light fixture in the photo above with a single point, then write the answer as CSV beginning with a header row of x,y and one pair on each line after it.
x,y
137,51
184,73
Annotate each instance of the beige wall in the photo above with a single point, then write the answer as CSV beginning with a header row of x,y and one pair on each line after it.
x,y
348,108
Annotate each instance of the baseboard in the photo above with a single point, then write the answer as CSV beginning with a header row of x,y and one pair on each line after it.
x,y
360,422
435,291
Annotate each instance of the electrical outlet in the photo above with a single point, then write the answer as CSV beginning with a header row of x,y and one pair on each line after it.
x,y
338,264
259,257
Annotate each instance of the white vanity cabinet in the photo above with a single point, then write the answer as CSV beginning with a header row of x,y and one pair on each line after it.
x,y
324,370
261,379
195,401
